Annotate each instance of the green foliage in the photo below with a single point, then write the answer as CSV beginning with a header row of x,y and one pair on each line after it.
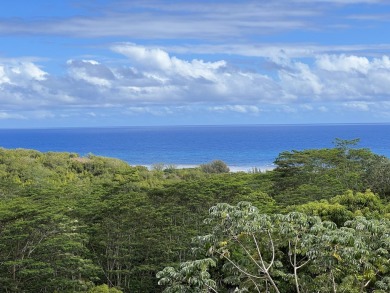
x,y
377,175
103,289
191,276
79,224
216,166
365,203
342,208
131,222
286,253
303,176
42,249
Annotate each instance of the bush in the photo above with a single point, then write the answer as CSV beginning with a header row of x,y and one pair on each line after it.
x,y
216,166
104,289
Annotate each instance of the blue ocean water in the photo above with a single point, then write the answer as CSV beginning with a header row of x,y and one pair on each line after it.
x,y
241,147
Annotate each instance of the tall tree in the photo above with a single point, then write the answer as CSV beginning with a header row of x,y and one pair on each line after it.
x,y
284,253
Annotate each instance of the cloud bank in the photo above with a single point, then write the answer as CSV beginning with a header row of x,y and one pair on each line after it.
x,y
150,80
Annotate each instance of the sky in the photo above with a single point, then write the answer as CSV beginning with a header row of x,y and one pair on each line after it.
x,y
104,63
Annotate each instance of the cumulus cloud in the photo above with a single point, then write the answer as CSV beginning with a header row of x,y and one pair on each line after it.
x,y
21,84
152,81
301,81
156,59
3,76
224,57
15,72
352,63
90,71
343,63
179,80
335,77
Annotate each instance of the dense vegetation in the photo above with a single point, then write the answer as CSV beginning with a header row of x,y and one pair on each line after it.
x,y
319,222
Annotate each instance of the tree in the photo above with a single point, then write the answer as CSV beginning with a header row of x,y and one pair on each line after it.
x,y
216,166
345,207
192,276
103,289
284,253
42,249
377,175
303,176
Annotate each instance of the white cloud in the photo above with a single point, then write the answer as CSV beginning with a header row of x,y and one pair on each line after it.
x,y
286,109
300,81
351,63
198,57
3,77
176,80
31,71
214,21
15,72
152,58
353,77
156,111
343,63
90,71
157,59
280,50
360,106
335,78
5,115
157,20
236,108
150,80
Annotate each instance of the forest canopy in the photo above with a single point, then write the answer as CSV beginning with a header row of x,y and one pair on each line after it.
x,y
318,222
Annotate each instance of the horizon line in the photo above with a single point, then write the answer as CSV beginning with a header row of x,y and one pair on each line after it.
x,y
196,125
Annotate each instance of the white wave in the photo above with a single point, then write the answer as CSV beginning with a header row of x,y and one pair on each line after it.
x,y
233,168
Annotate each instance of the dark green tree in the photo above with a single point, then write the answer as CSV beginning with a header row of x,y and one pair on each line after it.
x,y
303,176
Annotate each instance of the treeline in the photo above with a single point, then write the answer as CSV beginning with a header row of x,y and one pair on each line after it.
x,y
94,224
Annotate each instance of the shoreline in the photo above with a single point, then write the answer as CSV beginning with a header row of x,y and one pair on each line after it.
x,y
233,168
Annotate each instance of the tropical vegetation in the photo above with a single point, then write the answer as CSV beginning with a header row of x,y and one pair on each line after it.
x,y
318,222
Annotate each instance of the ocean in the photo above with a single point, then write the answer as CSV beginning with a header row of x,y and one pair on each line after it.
x,y
242,148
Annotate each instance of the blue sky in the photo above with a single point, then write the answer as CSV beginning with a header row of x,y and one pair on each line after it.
x,y
66,63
